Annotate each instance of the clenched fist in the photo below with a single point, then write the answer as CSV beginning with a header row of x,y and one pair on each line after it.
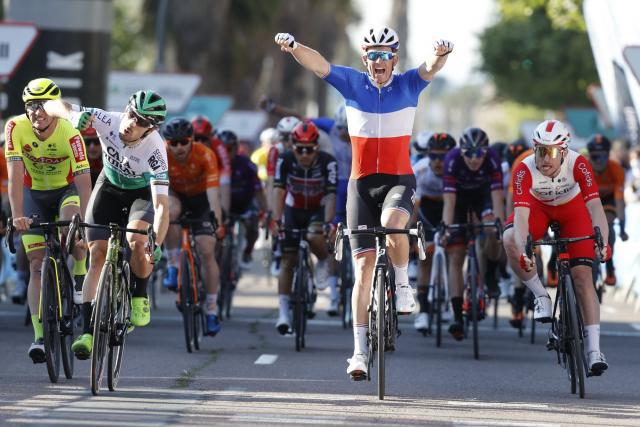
x,y
442,47
286,41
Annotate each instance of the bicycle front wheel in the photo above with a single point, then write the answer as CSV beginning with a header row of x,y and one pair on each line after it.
x,y
67,324
474,279
50,316
299,311
438,293
381,291
185,277
120,326
575,336
101,327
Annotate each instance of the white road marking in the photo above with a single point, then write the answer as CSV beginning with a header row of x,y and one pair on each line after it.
x,y
636,326
504,423
278,419
498,405
266,359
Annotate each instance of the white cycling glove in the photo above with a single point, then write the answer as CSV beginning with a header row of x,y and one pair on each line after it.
x,y
442,47
286,41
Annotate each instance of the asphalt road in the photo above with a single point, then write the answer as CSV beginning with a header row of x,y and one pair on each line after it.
x,y
514,382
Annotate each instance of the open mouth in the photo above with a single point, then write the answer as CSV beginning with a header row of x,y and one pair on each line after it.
x,y
379,71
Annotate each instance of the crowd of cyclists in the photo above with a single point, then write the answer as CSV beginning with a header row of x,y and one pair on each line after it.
x,y
361,167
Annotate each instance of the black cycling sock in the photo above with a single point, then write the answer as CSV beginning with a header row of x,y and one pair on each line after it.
x,y
139,286
86,318
456,304
518,299
609,267
423,300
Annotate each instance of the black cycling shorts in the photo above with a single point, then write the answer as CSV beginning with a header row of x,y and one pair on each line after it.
x,y
196,207
478,202
367,197
299,218
109,203
46,204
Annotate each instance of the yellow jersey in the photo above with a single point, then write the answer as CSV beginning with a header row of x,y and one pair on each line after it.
x,y
49,164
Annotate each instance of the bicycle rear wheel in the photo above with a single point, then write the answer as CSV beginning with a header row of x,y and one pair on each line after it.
x,y
120,326
101,327
380,320
346,288
185,279
67,324
50,316
575,336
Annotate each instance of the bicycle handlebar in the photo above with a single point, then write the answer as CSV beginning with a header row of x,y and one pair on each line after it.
x,y
11,229
342,233
497,224
530,245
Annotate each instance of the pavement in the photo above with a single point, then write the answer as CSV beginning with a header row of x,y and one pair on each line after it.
x,y
250,375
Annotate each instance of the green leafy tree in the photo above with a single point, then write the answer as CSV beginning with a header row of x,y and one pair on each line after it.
x,y
538,53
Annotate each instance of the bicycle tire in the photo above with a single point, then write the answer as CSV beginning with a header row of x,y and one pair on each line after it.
x,y
380,319
475,305
186,300
49,318
118,337
67,325
577,346
101,327
346,288
436,306
298,304
495,312
226,280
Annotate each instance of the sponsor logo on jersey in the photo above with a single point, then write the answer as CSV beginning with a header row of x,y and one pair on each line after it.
x,y
587,174
45,160
78,149
10,127
518,182
102,116
114,160
156,162
27,148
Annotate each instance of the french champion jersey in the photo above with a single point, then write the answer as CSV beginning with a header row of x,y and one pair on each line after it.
x,y
142,165
380,120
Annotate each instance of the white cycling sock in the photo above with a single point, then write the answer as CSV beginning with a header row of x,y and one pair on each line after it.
x,y
211,305
592,337
360,339
333,287
284,304
401,273
535,285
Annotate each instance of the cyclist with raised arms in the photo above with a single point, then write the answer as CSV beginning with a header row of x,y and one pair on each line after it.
x,y
132,190
429,204
558,184
472,181
49,177
380,108
193,174
304,195
610,178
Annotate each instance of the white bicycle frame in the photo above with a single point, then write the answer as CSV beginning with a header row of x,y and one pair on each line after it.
x,y
439,253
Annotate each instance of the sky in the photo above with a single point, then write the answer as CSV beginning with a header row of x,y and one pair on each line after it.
x,y
459,21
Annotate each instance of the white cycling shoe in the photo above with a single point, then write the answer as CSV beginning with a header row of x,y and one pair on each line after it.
x,y
358,366
283,325
405,302
542,309
422,322
597,363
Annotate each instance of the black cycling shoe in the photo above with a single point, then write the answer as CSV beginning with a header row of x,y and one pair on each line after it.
x,y
457,331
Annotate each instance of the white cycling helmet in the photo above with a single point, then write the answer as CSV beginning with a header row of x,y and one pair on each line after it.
x,y
380,36
551,132
269,136
286,124
422,142
341,117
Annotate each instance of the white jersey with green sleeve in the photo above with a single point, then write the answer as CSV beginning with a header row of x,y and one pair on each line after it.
x,y
142,165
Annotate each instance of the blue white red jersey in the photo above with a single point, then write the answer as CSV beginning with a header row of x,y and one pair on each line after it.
x,y
380,120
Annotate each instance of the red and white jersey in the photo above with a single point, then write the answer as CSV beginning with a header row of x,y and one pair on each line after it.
x,y
575,177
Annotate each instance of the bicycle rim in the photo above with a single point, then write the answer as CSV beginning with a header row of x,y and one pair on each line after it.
x,y
67,334
298,308
186,298
577,348
436,307
475,308
50,329
381,291
101,327
121,323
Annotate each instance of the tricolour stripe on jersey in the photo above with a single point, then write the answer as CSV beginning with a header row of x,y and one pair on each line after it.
x,y
369,156
385,125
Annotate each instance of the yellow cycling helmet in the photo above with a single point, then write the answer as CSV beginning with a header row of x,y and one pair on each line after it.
x,y
40,89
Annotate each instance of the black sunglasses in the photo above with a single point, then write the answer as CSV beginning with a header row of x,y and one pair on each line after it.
x,y
437,156
305,149
180,142
34,105
474,153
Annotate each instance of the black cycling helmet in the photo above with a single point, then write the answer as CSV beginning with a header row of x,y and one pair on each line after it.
x,y
474,139
598,142
177,129
441,141
228,138
513,150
